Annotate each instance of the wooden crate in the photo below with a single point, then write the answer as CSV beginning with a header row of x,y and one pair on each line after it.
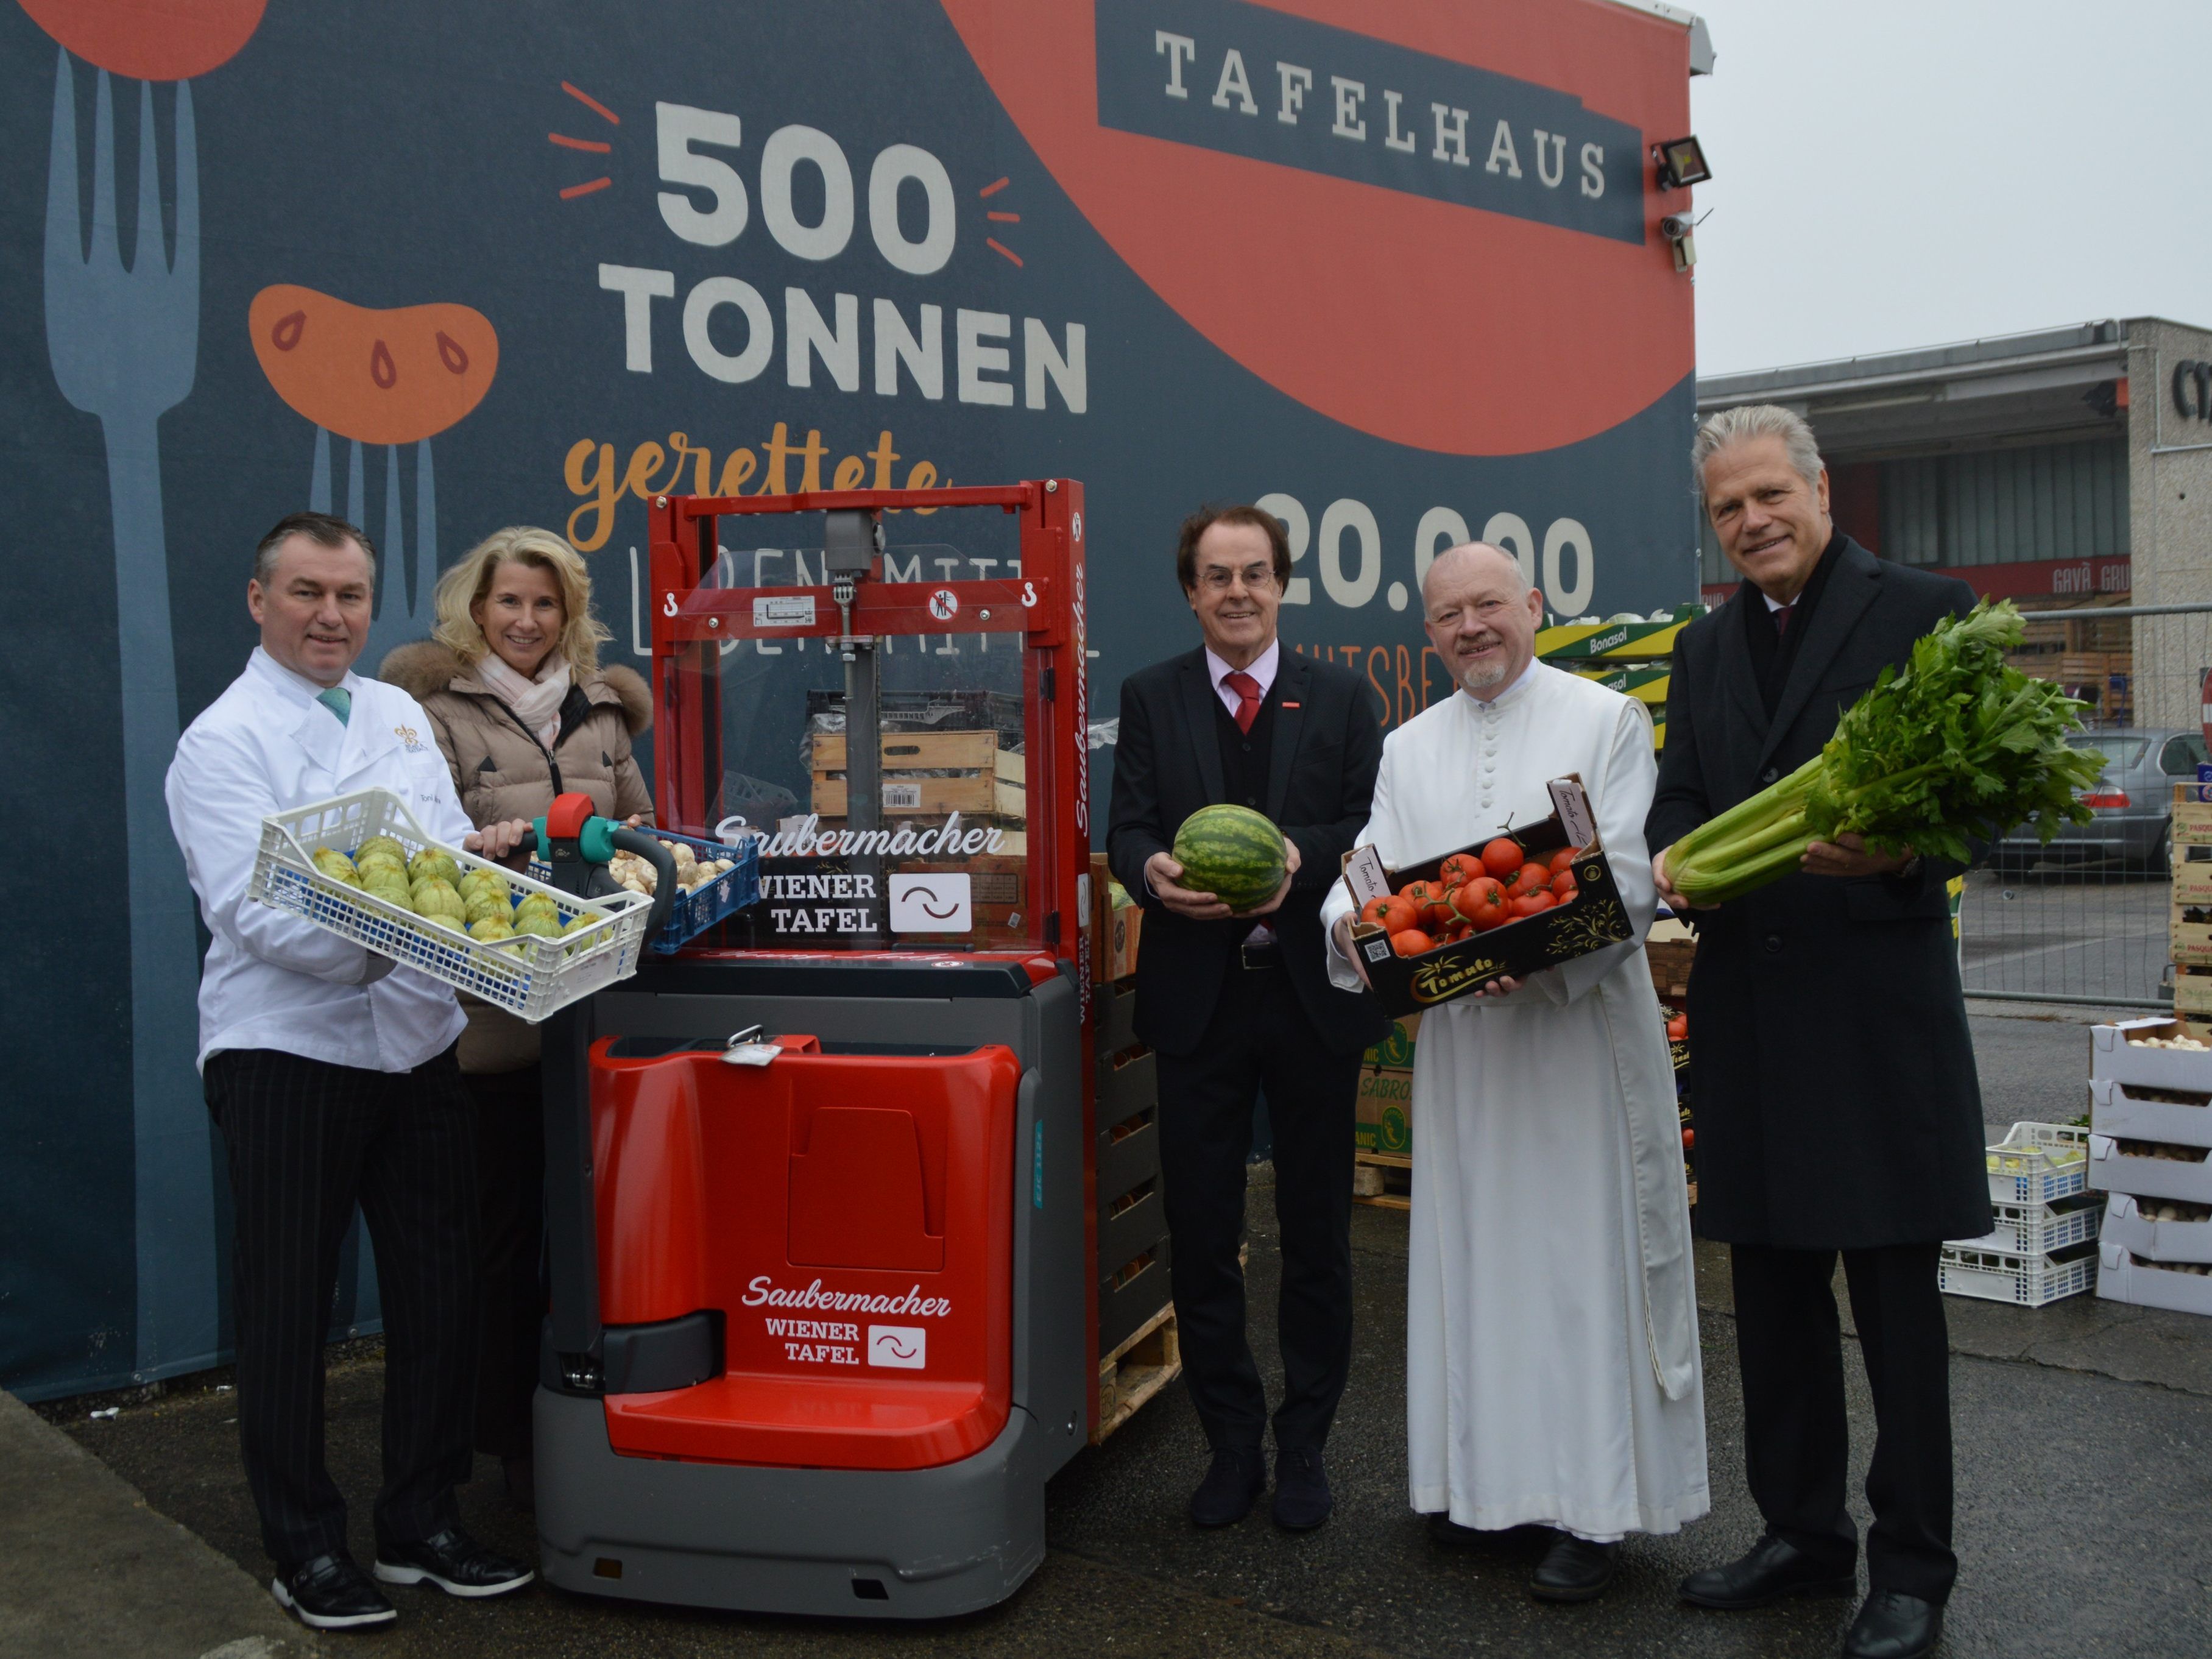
x,y
990,782
2192,941
1382,1181
2192,990
1141,1366
1670,961
2192,816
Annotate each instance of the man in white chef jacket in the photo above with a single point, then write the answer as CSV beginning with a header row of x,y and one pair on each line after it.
x,y
332,1077
1552,1377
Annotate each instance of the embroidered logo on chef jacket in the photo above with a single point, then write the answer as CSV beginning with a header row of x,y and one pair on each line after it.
x,y
905,1347
408,736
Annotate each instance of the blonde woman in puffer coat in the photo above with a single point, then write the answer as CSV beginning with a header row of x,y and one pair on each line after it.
x,y
522,710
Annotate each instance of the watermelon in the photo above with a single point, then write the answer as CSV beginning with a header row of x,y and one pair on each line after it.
x,y
1233,853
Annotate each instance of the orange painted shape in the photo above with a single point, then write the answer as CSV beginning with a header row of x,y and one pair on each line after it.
x,y
382,376
150,39
1419,321
808,1201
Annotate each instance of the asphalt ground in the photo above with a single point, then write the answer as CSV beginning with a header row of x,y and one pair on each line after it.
x,y
2084,1519
2086,929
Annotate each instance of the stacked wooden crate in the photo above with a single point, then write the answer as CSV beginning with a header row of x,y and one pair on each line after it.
x,y
1138,1350
2189,924
927,775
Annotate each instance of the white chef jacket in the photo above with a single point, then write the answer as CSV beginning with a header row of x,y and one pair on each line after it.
x,y
271,980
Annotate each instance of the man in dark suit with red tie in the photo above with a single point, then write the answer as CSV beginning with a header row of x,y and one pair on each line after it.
x,y
1233,1004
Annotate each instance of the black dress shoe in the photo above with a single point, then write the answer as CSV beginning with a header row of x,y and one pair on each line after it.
x,y
454,1562
1301,1497
1772,1571
331,1593
1232,1484
1892,1624
1574,1570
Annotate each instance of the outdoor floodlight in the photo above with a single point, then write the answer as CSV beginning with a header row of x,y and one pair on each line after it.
x,y
1680,162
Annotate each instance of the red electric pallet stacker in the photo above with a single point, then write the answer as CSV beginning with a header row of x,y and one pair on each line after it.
x,y
823,1193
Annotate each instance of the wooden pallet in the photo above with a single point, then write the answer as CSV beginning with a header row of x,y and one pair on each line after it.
x,y
1382,1181
1146,1362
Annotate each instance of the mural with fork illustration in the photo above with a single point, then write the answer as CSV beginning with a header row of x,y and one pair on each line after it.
x,y
442,266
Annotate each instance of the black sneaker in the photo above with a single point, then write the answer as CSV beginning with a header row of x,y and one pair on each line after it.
x,y
331,1593
454,1562
1301,1494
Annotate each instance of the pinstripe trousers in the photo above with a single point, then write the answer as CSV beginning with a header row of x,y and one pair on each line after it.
x,y
308,1140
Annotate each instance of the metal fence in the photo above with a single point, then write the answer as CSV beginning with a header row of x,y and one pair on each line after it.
x,y
2085,920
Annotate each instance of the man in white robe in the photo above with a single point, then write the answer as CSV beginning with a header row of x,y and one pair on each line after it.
x,y
1552,1376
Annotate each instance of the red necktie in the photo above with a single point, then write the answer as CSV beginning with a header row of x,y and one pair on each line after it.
x,y
1782,618
1247,695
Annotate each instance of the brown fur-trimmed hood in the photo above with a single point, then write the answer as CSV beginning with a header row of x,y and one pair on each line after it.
x,y
428,666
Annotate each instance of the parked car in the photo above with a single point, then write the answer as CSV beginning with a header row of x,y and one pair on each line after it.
x,y
2133,801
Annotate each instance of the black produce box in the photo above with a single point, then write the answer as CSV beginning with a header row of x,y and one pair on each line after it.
x,y
1593,919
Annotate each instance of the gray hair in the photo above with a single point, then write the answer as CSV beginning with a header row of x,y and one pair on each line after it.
x,y
1750,421
1520,576
319,528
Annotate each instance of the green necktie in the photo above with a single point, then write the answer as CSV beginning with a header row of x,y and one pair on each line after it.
x,y
338,700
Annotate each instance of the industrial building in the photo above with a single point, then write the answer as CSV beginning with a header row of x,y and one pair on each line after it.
x,y
2066,469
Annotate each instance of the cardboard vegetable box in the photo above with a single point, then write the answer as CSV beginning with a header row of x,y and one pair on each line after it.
x,y
1594,918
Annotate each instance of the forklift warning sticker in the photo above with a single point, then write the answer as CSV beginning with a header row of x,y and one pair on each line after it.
x,y
904,1347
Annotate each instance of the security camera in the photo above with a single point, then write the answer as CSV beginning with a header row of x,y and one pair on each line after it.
x,y
1676,226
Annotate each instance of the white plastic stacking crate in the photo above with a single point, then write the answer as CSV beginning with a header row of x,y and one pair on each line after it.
x,y
527,975
2038,1163
2134,1224
2025,1280
2039,1229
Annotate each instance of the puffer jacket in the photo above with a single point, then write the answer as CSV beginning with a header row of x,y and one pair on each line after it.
x,y
501,771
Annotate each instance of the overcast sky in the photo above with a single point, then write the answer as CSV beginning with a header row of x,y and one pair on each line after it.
x,y
1889,174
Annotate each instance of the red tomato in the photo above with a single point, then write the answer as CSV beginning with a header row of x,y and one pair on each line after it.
x,y
1411,942
1677,1029
1459,869
1561,859
1480,898
1460,930
1417,893
1393,914
1564,886
1501,857
1531,878
1689,1139
1438,913
1529,903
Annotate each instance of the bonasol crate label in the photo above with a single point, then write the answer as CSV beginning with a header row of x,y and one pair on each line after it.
x,y
784,610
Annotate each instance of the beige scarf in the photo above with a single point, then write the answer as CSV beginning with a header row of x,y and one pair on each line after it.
x,y
535,703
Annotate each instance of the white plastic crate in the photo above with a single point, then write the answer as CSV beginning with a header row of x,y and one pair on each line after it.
x,y
2133,1224
2038,1163
2125,1277
528,975
2025,1280
2039,1229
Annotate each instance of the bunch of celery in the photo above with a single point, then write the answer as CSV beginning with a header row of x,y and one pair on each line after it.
x,y
1958,747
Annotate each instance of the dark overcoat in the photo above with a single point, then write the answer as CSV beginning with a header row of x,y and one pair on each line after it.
x,y
1321,784
1832,1080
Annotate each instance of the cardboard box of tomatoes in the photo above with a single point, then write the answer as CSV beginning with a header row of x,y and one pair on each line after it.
x,y
1443,928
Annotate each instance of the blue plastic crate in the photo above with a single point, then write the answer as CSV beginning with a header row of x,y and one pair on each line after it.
x,y
724,896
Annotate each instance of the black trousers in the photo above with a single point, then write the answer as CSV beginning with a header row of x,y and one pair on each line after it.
x,y
1259,1035
1796,1442
510,1244
307,1141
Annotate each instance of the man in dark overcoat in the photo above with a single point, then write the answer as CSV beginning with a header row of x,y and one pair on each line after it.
x,y
1833,1078
1235,1004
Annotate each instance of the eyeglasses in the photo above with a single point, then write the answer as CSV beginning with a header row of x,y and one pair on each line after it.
x,y
1219,580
